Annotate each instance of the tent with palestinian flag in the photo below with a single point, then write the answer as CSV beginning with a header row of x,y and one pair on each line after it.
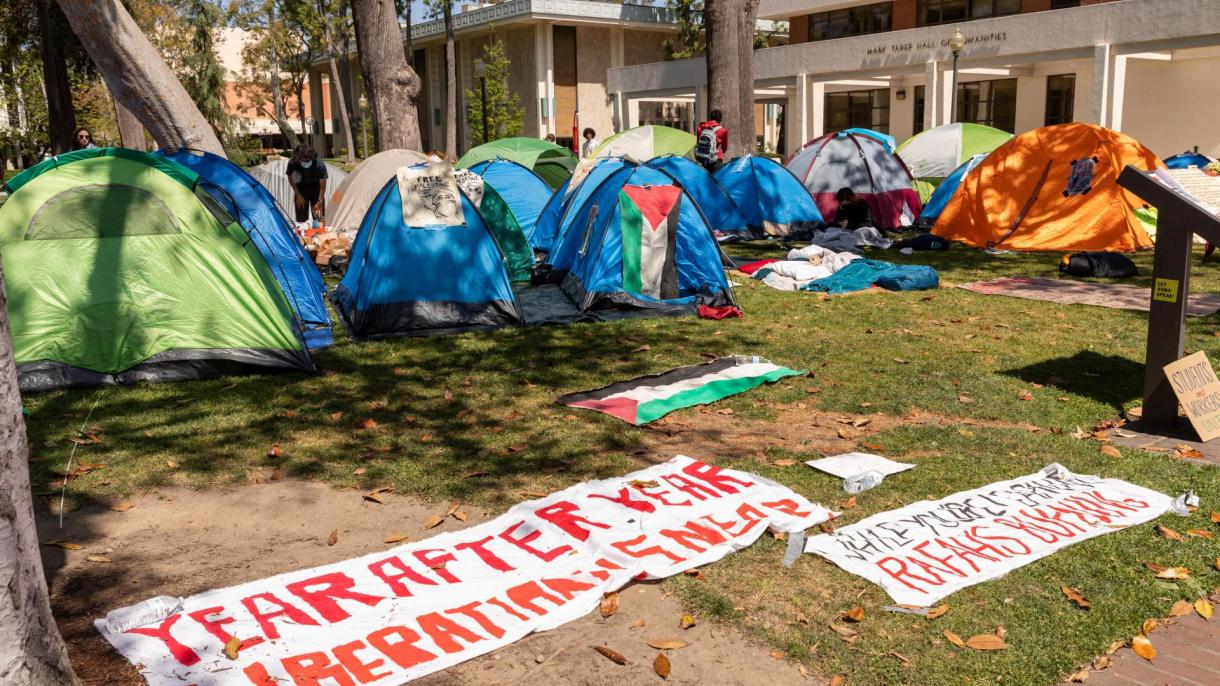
x,y
647,398
644,243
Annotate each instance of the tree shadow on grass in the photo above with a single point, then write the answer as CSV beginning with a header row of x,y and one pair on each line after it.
x,y
1108,379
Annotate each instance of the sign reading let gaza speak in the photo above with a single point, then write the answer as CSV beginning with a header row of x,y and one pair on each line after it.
x,y
396,615
1195,383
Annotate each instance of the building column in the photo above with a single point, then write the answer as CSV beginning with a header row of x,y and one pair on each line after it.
x,y
633,113
616,104
316,113
817,111
540,77
946,96
931,102
796,115
700,109
549,31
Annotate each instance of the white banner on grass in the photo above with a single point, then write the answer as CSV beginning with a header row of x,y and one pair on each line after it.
x,y
925,551
396,615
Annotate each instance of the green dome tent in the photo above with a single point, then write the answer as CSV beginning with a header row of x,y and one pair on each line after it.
x,y
934,154
120,268
549,161
646,142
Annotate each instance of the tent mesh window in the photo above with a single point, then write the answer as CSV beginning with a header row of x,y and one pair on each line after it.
x,y
101,211
222,215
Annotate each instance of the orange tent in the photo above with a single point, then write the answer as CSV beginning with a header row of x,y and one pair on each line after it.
x,y
1054,188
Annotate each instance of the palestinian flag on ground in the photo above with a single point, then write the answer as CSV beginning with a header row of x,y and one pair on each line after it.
x,y
649,221
645,398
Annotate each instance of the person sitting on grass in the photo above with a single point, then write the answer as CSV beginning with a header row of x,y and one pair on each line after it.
x,y
853,212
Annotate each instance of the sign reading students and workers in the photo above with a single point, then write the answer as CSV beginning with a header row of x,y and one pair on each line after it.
x,y
396,615
925,551
1195,383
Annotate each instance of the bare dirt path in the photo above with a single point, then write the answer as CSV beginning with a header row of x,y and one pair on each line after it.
x,y
179,542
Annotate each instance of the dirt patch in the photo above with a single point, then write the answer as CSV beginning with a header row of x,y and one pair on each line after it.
x,y
179,542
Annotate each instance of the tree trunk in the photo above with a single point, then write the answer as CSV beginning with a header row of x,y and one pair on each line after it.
x,y
32,653
61,114
137,76
131,131
277,90
8,93
337,84
410,44
451,87
727,82
392,85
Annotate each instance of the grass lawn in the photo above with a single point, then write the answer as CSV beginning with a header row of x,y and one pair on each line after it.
x,y
446,409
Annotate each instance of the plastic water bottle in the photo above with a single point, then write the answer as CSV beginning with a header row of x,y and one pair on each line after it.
x,y
863,481
151,611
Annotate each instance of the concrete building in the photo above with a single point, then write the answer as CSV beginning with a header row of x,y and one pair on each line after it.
x,y
560,51
1146,67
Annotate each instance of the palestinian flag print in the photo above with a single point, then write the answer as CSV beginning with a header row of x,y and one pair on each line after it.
x,y
649,221
646,398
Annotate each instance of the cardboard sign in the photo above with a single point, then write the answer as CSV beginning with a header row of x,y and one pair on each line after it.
x,y
925,551
399,614
430,196
1195,383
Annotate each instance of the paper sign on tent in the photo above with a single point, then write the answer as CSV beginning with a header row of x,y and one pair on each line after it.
x,y
1195,383
848,465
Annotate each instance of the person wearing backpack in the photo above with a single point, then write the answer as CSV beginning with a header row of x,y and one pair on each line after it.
x,y
711,140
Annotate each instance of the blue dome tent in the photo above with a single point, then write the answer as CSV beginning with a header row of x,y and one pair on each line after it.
x,y
424,280
1185,160
523,191
773,201
642,243
563,207
713,200
247,200
944,193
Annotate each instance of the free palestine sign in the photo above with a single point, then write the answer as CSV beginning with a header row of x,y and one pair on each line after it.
x,y
1195,383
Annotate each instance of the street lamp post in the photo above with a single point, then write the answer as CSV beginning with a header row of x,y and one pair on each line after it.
x,y
480,70
364,115
956,42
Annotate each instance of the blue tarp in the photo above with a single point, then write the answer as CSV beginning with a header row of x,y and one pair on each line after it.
x,y
522,190
712,199
1186,160
944,193
254,208
773,201
413,281
891,144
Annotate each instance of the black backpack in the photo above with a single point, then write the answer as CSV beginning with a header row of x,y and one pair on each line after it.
x,y
1105,264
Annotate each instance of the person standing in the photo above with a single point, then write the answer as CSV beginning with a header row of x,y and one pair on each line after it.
x,y
711,140
307,176
82,140
591,143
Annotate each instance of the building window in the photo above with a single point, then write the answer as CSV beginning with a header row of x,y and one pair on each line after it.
x,y
1064,4
930,12
863,109
1060,96
993,103
919,108
853,21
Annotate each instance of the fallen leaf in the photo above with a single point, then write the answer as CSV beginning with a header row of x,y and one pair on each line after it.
x,y
66,545
1104,661
937,611
848,504
637,624
1177,573
1180,608
122,506
1200,533
856,614
845,434
1110,451
954,638
1149,626
609,604
615,656
1166,532
784,463
448,395
460,515
964,399
906,661
1216,518
276,451
1076,596
777,654
375,494
333,538
232,647
1079,677
1025,395
396,538
665,643
433,521
660,665
336,416
687,621
1143,647
172,464
369,423
103,558
837,680
1204,607
845,632
986,642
